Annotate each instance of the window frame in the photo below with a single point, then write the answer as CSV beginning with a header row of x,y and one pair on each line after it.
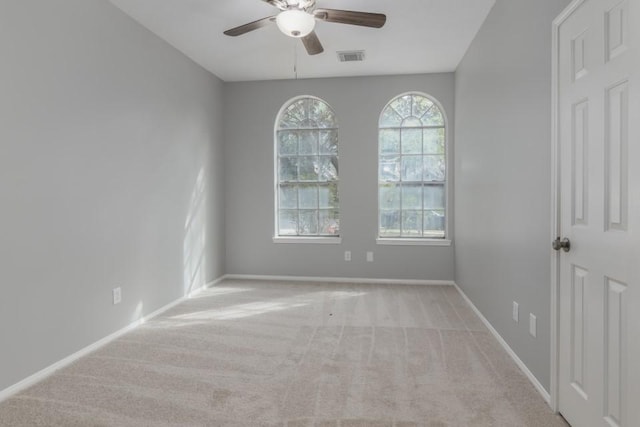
x,y
313,239
418,241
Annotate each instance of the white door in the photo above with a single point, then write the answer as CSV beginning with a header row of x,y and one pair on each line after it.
x,y
599,158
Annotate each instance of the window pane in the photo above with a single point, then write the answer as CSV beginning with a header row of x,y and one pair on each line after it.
x,y
315,108
328,195
328,120
288,197
308,142
389,141
412,223
434,141
288,223
434,168
390,223
308,167
328,168
288,169
411,197
412,168
433,117
421,105
411,141
403,106
434,223
287,142
308,197
308,124
389,168
434,197
390,118
411,122
308,223
294,115
321,114
389,197
329,222
328,142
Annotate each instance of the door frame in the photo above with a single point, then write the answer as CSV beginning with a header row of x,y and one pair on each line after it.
x,y
555,203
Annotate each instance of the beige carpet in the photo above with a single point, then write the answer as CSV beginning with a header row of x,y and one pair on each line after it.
x,y
295,354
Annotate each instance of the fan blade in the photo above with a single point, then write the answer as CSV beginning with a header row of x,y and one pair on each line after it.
x,y
280,4
364,19
242,29
312,44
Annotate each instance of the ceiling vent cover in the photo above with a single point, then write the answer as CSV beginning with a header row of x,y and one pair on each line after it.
x,y
351,56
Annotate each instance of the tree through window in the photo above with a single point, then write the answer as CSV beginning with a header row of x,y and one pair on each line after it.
x,y
307,169
412,169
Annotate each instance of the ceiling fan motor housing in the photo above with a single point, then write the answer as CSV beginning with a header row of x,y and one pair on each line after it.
x,y
295,22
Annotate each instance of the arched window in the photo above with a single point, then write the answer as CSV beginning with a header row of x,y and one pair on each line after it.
x,y
412,188
306,148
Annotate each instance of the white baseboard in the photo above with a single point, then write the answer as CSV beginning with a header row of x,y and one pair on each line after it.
x,y
339,280
44,373
543,392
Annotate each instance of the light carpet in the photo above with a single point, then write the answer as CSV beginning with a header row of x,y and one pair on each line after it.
x,y
248,353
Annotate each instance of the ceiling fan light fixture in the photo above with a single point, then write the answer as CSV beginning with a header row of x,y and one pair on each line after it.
x,y
295,23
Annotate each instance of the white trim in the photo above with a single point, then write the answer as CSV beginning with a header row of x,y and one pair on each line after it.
x,y
555,204
412,242
544,393
308,239
362,280
44,373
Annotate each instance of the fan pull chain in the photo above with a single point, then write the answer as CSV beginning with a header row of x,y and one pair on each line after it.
x,y
295,59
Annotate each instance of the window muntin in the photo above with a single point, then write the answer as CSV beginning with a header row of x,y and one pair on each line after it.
x,y
412,169
307,202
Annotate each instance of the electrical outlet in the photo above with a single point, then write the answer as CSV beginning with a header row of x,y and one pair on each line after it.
x,y
532,325
117,295
516,312
369,256
347,255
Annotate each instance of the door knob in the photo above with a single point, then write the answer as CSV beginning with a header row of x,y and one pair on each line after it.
x,y
563,244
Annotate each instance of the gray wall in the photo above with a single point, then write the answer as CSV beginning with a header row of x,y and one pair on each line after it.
x,y
103,132
250,114
503,170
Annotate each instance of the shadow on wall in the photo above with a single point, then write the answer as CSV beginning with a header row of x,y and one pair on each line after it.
x,y
194,238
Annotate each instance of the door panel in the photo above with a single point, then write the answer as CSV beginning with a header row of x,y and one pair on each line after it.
x,y
616,152
578,326
615,361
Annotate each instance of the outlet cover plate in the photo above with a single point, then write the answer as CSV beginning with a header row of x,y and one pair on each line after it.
x,y
117,295
532,325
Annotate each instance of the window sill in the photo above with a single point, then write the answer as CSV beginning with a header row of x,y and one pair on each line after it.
x,y
413,242
307,240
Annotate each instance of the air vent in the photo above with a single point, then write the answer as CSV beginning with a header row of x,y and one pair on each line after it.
x,y
351,56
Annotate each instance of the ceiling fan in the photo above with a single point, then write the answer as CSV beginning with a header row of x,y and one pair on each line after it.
x,y
297,18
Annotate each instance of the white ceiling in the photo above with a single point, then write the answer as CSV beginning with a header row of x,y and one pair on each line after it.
x,y
420,36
